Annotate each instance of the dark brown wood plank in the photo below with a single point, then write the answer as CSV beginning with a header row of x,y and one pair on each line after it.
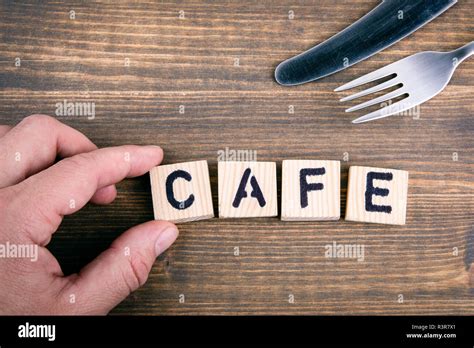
x,y
191,62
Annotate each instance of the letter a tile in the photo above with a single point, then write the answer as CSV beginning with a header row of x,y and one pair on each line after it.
x,y
377,195
181,192
247,189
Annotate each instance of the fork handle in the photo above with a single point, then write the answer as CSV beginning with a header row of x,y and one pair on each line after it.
x,y
464,52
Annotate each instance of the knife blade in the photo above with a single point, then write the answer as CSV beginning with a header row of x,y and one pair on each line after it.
x,y
389,22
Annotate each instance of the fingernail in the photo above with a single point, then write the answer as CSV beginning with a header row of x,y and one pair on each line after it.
x,y
165,239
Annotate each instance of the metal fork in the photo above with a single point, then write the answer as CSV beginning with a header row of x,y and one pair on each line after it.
x,y
418,77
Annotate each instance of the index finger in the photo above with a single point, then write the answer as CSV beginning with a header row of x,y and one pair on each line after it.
x,y
34,144
68,185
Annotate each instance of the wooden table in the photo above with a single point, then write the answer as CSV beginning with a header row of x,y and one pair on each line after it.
x,y
203,82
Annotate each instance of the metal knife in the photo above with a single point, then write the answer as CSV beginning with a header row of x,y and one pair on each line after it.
x,y
389,22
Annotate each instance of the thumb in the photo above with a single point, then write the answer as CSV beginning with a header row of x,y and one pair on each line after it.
x,y
121,269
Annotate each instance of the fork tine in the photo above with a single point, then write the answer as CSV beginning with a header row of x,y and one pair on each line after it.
x,y
385,112
374,75
394,94
380,87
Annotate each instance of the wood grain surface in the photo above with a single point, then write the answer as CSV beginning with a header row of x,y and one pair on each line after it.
x,y
198,84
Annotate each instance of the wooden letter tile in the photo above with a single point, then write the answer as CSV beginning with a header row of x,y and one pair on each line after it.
x,y
310,190
377,195
181,192
247,189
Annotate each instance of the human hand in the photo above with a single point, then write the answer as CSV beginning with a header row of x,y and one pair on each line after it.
x,y
34,196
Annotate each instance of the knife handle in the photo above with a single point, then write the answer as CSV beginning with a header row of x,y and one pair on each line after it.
x,y
389,22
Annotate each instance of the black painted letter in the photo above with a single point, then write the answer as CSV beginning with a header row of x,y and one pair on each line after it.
x,y
256,192
181,205
305,187
371,190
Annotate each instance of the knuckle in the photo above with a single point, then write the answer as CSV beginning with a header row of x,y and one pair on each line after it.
x,y
39,120
136,273
82,168
80,165
84,159
45,130
78,160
